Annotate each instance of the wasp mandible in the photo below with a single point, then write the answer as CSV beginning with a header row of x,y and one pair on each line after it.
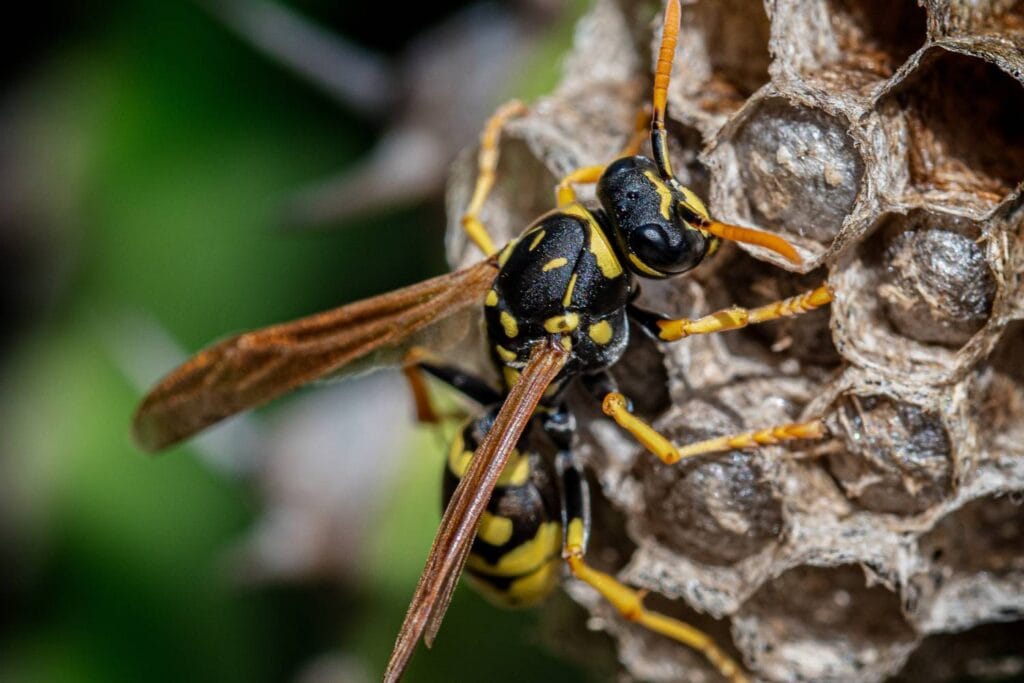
x,y
558,303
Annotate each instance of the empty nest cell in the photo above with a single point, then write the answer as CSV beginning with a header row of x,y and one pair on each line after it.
x,y
989,652
970,144
799,169
723,54
999,398
875,37
897,457
985,535
818,623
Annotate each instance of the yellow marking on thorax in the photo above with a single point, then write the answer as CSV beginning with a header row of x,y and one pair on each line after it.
x,y
567,298
537,240
508,322
601,332
492,298
566,341
494,529
504,354
643,267
562,323
606,260
555,263
526,557
511,376
663,192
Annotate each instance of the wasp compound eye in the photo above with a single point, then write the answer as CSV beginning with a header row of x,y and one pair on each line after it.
x,y
665,248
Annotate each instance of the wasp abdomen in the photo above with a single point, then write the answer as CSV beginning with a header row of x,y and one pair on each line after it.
x,y
515,560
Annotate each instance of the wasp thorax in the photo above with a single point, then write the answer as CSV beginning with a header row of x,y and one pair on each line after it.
x,y
648,219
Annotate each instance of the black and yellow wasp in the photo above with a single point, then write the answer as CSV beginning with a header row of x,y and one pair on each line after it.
x,y
558,304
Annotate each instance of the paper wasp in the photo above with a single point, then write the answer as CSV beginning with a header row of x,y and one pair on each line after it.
x,y
558,302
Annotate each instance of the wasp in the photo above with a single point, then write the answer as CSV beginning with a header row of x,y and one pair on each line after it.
x,y
558,303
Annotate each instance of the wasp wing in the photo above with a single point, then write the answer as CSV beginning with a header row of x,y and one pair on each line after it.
x,y
462,517
252,368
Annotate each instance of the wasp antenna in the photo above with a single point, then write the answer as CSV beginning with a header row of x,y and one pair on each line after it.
x,y
662,74
735,233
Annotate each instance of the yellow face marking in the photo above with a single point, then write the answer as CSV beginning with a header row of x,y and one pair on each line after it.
x,y
662,189
511,376
524,558
492,298
555,263
694,201
601,332
562,323
643,267
494,529
537,240
566,341
567,299
504,354
509,324
505,253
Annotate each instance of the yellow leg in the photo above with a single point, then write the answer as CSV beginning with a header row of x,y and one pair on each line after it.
x,y
736,317
616,406
629,604
487,164
564,192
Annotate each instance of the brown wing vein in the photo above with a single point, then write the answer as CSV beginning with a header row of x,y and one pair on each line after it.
x,y
462,517
252,368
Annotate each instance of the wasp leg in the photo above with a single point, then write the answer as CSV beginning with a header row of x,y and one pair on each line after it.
x,y
618,407
418,361
627,601
564,192
487,162
668,329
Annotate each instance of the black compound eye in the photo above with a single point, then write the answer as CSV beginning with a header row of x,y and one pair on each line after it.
x,y
667,249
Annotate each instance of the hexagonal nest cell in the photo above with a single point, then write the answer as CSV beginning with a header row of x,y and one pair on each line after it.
x,y
969,143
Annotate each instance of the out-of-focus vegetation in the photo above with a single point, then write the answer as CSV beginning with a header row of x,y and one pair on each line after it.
x,y
147,154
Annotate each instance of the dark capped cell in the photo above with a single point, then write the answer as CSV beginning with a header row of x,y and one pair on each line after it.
x,y
799,168
937,286
715,510
897,457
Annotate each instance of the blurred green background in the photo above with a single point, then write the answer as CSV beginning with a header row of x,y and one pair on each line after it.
x,y
147,154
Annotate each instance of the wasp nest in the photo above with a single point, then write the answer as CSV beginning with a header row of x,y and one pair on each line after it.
x,y
884,139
